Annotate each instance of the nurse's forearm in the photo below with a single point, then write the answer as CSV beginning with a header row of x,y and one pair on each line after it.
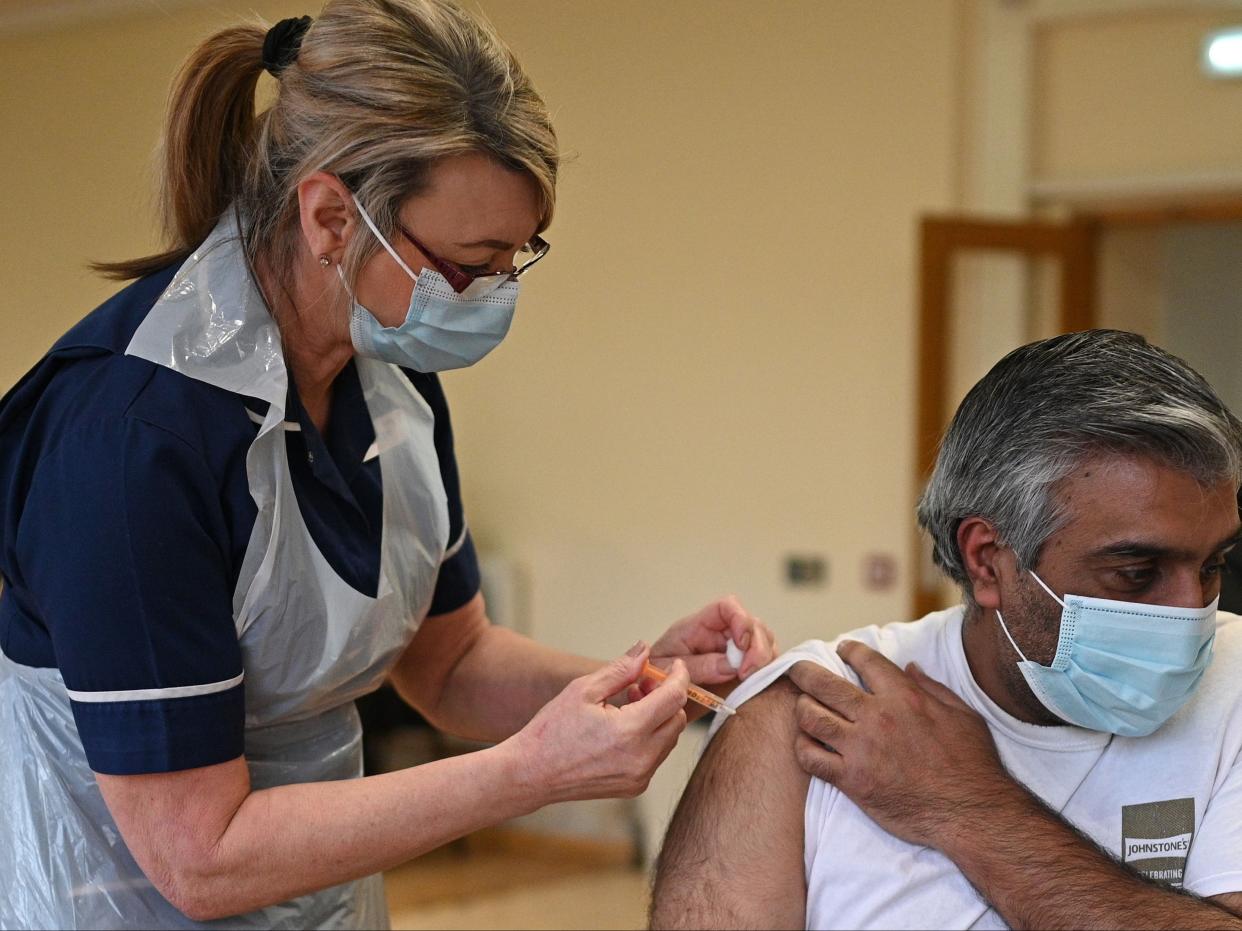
x,y
500,684
474,679
213,848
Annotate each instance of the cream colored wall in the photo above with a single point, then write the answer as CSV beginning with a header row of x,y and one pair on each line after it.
x,y
714,366
1122,94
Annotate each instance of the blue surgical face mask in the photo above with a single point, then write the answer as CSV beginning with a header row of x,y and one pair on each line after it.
x,y
1120,666
443,329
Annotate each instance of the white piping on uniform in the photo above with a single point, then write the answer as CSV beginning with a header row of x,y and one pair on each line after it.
x,y
289,425
456,547
176,691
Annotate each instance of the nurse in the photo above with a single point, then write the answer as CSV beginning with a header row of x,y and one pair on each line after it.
x,y
229,506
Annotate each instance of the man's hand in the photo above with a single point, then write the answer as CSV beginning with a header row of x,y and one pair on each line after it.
x,y
922,764
908,752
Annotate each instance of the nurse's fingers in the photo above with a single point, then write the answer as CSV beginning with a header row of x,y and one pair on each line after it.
x,y
666,736
761,652
707,668
738,622
643,686
749,634
616,675
662,702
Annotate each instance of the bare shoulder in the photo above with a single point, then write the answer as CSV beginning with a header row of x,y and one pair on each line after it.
x,y
733,853
756,717
752,756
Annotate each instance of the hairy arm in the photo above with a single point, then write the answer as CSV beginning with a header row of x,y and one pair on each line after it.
x,y
911,738
733,855
1230,902
1039,872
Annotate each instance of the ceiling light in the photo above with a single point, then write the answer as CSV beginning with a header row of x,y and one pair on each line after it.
x,y
1222,53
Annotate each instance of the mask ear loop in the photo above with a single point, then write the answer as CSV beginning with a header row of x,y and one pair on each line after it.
x,y
344,284
380,236
1005,628
1044,586
1009,637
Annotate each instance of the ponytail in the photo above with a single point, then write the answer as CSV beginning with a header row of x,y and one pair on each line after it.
x,y
373,91
207,145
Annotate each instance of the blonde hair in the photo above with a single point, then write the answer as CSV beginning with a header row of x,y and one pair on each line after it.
x,y
379,91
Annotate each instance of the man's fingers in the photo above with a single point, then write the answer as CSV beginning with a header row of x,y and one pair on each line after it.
x,y
816,760
936,689
875,669
827,688
817,721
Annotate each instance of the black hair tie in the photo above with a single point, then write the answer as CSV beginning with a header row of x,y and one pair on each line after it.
x,y
280,46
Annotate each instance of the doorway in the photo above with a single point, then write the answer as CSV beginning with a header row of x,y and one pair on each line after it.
x,y
1171,271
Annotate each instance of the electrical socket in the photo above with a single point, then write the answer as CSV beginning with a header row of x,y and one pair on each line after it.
x,y
806,570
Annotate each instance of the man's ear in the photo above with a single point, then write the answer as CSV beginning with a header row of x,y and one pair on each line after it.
x,y
982,552
327,214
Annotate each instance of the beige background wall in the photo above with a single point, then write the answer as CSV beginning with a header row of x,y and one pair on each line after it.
x,y
712,369
1122,95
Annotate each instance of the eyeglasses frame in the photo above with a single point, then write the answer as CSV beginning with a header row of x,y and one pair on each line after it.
x,y
460,280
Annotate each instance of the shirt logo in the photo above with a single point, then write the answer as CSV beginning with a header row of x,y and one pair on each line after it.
x,y
1155,838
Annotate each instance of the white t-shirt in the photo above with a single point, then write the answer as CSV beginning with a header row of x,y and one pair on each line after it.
x,y
1169,804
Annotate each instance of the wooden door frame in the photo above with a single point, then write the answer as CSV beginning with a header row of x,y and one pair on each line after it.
x,y
1075,242
1072,243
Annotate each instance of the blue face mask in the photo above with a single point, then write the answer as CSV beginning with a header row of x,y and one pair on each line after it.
x,y
1120,666
443,329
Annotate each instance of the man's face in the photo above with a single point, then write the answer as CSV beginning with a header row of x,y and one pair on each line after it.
x,y
1136,531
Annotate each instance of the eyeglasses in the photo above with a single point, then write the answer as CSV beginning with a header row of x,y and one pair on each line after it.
x,y
471,285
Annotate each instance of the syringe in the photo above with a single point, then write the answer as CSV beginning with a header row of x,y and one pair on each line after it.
x,y
696,694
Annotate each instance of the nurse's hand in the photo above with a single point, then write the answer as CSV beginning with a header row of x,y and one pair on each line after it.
x,y
580,746
700,640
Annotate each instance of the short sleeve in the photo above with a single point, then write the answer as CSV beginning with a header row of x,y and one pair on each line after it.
x,y
124,551
459,577
1214,866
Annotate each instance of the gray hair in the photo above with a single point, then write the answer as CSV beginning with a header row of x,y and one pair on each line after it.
x,y
1050,405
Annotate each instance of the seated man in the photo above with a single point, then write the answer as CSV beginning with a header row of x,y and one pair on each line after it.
x,y
1063,750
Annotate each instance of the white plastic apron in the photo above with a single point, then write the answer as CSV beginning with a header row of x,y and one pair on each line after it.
x,y
310,643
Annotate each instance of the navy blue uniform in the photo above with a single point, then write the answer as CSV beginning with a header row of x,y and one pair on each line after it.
x,y
124,517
